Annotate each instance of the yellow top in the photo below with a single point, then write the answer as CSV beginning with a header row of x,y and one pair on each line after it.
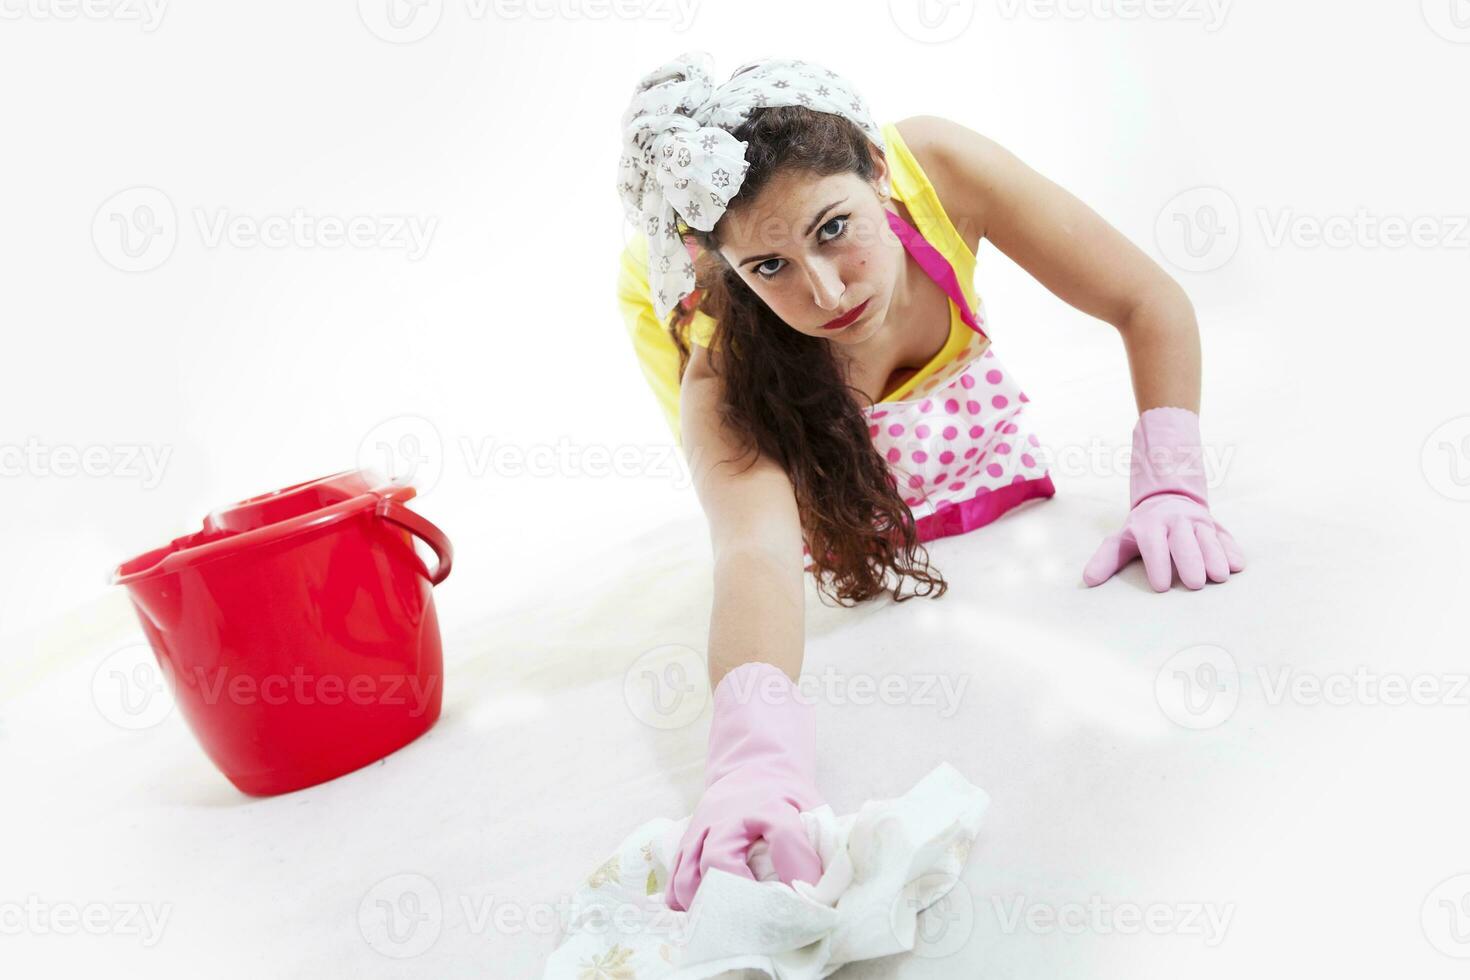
x,y
660,359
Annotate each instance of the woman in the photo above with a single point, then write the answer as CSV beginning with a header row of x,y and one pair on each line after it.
x,y
800,297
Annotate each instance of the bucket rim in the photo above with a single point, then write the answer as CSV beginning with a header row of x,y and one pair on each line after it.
x,y
187,552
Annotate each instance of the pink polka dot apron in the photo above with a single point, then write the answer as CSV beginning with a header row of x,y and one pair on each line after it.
x,y
959,444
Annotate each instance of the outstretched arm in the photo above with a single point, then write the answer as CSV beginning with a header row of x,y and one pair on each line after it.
x,y
755,536
761,770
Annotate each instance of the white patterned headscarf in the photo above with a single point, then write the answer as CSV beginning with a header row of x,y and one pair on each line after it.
x,y
679,155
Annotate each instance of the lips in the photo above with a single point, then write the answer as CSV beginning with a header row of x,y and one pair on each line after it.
x,y
846,318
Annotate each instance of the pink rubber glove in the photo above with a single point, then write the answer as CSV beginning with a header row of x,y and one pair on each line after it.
x,y
1170,516
758,780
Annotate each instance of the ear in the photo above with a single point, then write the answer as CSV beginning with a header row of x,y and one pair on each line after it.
x,y
880,170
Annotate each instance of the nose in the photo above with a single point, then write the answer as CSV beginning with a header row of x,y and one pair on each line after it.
x,y
827,284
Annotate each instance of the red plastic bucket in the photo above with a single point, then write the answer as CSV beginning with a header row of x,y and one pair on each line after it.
x,y
297,629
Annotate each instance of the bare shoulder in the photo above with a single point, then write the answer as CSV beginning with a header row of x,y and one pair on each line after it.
x,y
699,366
955,158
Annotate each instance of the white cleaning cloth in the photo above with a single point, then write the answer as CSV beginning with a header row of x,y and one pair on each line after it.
x,y
881,867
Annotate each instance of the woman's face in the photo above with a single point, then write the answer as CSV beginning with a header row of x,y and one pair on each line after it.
x,y
816,249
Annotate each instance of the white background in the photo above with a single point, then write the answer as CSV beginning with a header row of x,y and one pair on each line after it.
x,y
1328,367
256,367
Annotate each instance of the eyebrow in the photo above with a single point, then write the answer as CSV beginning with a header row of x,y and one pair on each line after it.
x,y
809,229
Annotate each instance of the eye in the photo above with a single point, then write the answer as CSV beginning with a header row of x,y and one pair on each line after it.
x,y
836,233
840,231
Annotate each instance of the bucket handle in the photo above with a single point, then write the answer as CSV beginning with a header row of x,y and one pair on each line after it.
x,y
391,510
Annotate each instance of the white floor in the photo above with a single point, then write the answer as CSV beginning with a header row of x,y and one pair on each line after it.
x,y
1304,838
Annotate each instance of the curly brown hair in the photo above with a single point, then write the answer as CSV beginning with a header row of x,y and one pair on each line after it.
x,y
787,395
